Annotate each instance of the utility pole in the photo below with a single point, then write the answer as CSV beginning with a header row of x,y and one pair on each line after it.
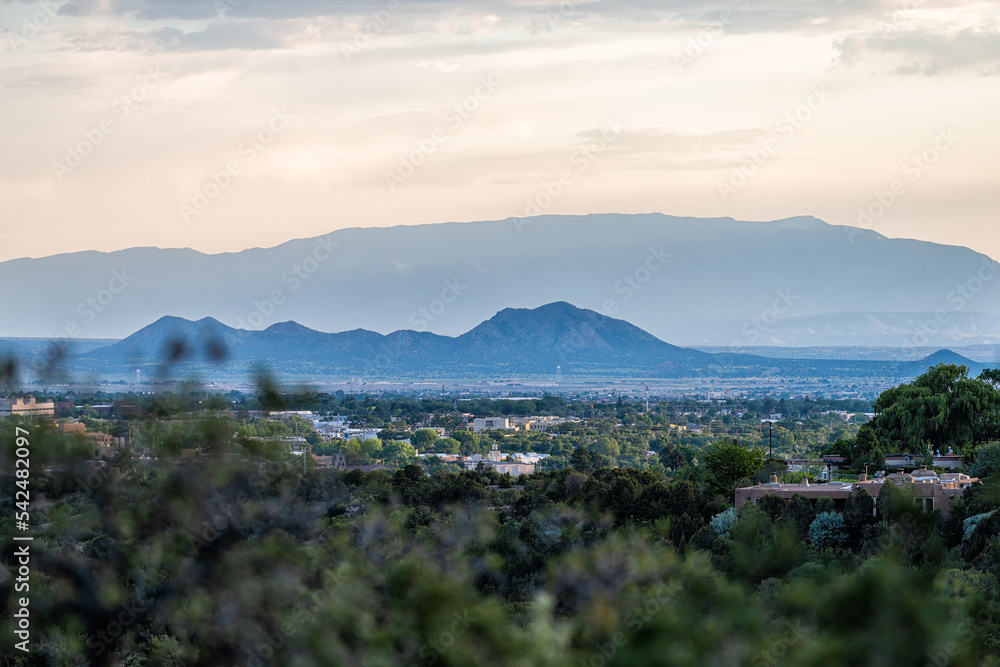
x,y
770,432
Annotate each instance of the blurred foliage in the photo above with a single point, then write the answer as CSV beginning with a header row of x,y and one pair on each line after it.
x,y
210,543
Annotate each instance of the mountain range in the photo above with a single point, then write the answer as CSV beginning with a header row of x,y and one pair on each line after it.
x,y
553,340
693,281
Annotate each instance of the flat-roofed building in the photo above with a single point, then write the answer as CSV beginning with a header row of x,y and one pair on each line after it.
x,y
490,423
497,462
26,406
930,490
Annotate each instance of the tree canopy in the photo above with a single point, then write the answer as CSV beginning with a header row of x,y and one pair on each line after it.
x,y
944,408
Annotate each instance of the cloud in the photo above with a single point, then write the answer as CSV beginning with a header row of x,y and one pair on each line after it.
x,y
746,15
216,37
924,52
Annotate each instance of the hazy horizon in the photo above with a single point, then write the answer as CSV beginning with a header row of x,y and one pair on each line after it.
x,y
243,124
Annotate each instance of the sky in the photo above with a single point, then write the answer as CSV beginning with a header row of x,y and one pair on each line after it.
x,y
227,124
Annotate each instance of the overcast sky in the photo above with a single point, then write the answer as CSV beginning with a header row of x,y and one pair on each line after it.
x,y
120,117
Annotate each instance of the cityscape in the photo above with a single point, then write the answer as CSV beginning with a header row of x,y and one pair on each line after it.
x,y
549,334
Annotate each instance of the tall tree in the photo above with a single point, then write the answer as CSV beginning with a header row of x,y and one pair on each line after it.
x,y
944,408
729,462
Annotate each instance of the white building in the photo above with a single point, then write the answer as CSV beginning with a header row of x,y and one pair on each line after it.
x,y
490,423
497,462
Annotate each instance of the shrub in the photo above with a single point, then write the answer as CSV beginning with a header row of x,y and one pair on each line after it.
x,y
723,522
827,530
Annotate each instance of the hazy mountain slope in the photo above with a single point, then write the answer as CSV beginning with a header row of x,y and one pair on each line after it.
x,y
545,341
448,278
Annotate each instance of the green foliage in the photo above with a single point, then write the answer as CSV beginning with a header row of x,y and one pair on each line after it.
x,y
585,460
424,438
397,451
987,461
723,522
827,531
799,513
729,463
242,558
672,456
447,446
943,407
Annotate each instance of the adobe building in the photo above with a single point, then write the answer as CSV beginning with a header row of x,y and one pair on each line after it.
x,y
496,461
26,407
931,490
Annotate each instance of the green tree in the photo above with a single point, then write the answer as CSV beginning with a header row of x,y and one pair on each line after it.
x,y
672,456
447,446
943,407
398,451
987,461
470,443
606,446
729,462
828,531
584,460
424,438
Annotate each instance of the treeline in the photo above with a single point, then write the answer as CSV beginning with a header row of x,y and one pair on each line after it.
x,y
942,411
240,558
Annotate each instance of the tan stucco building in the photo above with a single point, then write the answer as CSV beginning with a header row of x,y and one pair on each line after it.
x,y
26,406
930,490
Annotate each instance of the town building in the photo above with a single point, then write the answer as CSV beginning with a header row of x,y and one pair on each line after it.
x,y
931,490
496,462
26,407
536,423
490,423
340,463
66,428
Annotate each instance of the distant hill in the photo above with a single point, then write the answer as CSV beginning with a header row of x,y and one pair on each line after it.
x,y
554,339
691,281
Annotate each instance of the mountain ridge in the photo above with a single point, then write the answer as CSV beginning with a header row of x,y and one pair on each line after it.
x,y
688,280
553,339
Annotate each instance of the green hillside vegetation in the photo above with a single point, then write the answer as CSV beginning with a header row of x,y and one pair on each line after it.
x,y
241,557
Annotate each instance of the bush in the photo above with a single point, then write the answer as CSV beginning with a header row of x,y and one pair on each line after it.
x,y
827,531
987,460
723,522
